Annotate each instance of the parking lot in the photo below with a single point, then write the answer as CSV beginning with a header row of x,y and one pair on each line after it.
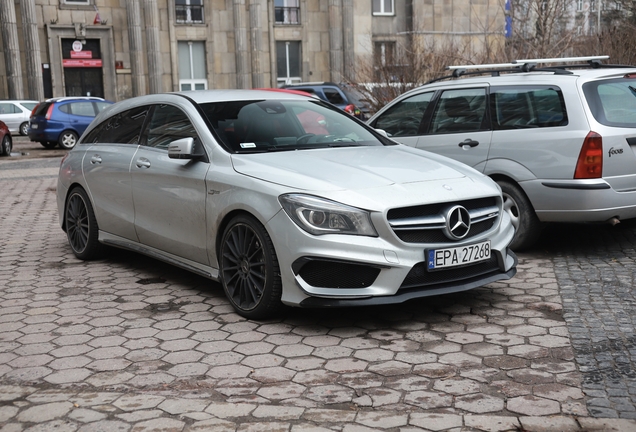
x,y
129,343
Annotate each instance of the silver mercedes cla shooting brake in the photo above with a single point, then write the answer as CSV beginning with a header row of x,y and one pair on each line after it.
x,y
283,199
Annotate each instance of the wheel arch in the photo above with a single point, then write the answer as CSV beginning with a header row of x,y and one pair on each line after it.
x,y
225,221
70,189
503,177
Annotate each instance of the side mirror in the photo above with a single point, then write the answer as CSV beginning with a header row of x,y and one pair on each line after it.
x,y
183,149
382,132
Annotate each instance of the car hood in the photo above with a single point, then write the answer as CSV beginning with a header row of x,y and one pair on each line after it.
x,y
370,177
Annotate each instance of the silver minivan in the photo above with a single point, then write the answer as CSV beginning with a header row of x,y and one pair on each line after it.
x,y
559,140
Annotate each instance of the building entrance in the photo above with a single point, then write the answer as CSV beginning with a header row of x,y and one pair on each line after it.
x,y
83,75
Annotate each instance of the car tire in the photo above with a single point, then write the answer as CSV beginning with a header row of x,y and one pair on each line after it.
x,y
527,225
67,139
249,269
24,128
81,226
6,146
48,144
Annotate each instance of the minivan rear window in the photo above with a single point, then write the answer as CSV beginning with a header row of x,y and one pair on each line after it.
x,y
613,101
42,108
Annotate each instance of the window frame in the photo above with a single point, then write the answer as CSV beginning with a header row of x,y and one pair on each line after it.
x,y
187,7
290,79
382,11
192,81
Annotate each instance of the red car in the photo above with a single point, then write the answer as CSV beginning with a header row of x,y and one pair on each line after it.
x,y
6,143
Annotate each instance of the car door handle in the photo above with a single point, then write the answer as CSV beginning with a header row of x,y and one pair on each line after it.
x,y
469,142
96,159
142,163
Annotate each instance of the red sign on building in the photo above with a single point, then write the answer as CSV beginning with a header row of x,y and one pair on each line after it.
x,y
82,63
81,54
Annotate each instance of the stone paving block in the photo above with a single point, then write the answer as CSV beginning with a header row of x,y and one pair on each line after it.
x,y
549,424
159,425
436,422
382,420
492,423
44,412
533,406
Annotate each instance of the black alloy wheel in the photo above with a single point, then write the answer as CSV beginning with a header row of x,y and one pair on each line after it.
x,y
81,226
249,269
6,146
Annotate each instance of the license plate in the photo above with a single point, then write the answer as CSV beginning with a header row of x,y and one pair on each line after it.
x,y
34,126
457,256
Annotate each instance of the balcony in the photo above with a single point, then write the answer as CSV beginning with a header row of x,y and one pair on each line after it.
x,y
286,15
189,14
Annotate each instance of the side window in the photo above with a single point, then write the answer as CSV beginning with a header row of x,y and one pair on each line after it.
x,y
7,108
101,106
333,96
122,128
167,124
404,118
82,109
527,107
65,108
461,110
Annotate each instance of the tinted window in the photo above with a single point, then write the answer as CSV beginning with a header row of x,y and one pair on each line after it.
x,y
460,110
122,128
42,108
613,102
333,96
404,118
101,106
82,109
168,123
527,107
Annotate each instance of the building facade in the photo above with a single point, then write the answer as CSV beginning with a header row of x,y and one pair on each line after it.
x,y
118,49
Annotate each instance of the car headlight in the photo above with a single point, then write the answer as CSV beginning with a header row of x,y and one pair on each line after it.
x,y
320,216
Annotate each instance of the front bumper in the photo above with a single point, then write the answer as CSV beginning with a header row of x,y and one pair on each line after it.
x,y
358,271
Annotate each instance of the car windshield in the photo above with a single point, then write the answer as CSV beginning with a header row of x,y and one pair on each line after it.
x,y
282,125
613,102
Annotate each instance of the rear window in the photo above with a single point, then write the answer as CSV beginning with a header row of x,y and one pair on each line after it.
x,y
612,102
42,108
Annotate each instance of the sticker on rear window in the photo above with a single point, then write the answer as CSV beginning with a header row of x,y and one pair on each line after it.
x,y
248,145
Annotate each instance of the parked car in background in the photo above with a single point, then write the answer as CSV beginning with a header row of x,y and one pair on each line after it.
x,y
15,114
6,142
559,140
341,95
284,199
61,121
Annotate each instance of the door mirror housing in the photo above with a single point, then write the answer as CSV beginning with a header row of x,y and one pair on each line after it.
x,y
183,148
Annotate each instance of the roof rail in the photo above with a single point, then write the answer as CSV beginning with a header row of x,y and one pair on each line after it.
x,y
562,59
484,66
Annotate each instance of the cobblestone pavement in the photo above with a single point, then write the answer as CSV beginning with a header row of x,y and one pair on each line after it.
x,y
130,344
595,267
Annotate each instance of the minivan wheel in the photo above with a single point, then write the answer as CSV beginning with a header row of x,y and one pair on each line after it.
x,y
67,140
249,269
526,223
6,146
81,226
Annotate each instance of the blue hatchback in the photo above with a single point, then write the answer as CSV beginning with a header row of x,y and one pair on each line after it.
x,y
61,121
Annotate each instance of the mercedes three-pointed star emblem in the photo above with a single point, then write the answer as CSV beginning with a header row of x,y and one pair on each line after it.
x,y
457,223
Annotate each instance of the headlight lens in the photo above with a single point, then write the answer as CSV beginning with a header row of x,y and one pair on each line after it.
x,y
319,216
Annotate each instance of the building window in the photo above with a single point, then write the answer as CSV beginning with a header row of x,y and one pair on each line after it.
x,y
287,11
579,5
192,70
384,56
593,6
383,7
189,11
78,2
288,62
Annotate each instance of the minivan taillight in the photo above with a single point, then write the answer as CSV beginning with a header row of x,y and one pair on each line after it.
x,y
49,112
590,163
35,108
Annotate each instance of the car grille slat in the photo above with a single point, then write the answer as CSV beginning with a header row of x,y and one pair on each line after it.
x,y
426,223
